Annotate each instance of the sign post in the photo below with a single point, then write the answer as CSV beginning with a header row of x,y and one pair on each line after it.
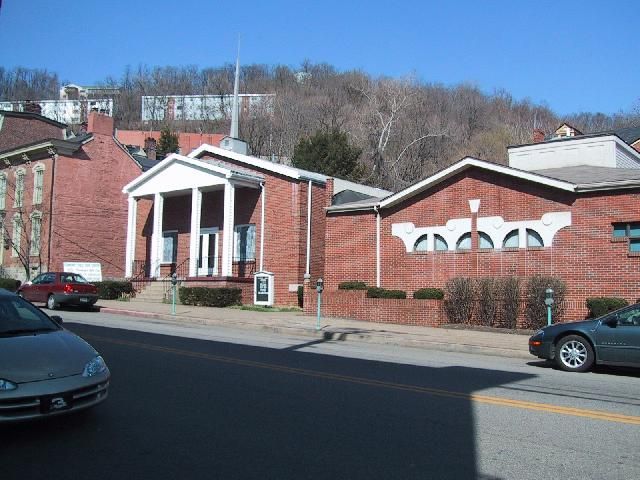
x,y
263,289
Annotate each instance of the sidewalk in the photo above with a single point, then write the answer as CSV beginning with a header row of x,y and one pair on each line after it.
x,y
295,323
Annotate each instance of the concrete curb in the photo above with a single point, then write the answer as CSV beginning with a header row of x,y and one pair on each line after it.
x,y
335,334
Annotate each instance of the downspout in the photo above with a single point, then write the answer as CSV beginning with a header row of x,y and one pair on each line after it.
x,y
377,210
262,206
308,269
53,180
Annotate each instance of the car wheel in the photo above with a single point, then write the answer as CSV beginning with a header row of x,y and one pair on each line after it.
x,y
574,354
51,303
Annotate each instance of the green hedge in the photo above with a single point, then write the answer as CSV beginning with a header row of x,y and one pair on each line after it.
x,y
10,284
599,306
352,285
113,289
375,292
210,297
429,294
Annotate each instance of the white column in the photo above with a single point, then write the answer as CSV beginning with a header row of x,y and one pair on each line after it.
x,y
130,254
156,238
308,269
196,209
227,235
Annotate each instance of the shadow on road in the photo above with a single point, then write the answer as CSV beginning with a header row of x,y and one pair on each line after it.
x,y
184,408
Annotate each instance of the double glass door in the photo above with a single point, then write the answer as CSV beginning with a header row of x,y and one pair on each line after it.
x,y
208,252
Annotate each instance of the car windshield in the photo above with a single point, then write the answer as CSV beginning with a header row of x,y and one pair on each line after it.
x,y
73,278
18,317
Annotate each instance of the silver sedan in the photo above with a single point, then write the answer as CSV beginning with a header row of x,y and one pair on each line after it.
x,y
45,370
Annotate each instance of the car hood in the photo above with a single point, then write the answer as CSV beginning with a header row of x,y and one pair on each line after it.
x,y
30,358
581,325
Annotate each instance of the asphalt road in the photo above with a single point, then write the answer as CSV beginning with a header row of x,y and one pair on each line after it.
x,y
285,408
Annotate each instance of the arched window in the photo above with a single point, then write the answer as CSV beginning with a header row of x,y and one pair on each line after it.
x,y
464,242
440,243
534,239
421,244
511,240
485,241
38,182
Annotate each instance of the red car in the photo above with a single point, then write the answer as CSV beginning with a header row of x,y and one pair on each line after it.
x,y
60,288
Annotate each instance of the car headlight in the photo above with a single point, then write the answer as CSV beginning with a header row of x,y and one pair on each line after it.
x,y
7,385
94,367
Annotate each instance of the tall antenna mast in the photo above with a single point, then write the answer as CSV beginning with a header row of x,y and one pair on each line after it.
x,y
236,106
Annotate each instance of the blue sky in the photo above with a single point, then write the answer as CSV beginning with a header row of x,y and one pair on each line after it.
x,y
569,55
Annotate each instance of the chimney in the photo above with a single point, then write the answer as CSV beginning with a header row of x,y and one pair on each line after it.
x,y
538,135
100,124
32,107
150,147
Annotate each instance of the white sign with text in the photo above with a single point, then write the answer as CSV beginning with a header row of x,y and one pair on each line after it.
x,y
91,271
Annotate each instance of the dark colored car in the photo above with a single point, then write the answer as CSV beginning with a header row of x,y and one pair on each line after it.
x,y
613,339
45,370
60,288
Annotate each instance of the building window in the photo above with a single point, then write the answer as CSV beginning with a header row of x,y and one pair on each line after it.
x,y
421,244
36,223
3,191
512,239
19,193
629,231
464,242
38,183
440,243
534,239
17,236
170,246
485,241
245,242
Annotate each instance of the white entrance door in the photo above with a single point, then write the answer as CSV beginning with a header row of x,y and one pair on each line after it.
x,y
208,252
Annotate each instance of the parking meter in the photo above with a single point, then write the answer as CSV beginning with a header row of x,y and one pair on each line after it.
x,y
319,289
174,282
548,301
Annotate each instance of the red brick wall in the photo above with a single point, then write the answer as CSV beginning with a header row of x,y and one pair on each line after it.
x,y
90,210
354,304
16,131
583,254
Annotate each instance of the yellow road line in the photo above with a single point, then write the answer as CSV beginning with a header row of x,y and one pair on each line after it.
x,y
485,399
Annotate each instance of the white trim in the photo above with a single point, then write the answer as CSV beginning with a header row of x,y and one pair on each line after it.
x,y
262,223
378,252
464,164
194,238
228,229
132,218
196,163
308,269
278,168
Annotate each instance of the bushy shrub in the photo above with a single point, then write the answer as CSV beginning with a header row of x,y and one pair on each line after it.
x,y
509,303
487,301
301,296
112,289
10,284
429,294
535,292
459,300
375,292
210,297
599,306
352,285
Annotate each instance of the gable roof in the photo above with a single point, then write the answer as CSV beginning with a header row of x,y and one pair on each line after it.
x,y
629,135
278,168
33,116
570,179
206,164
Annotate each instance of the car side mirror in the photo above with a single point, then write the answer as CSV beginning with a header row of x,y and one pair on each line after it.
x,y
57,319
612,322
